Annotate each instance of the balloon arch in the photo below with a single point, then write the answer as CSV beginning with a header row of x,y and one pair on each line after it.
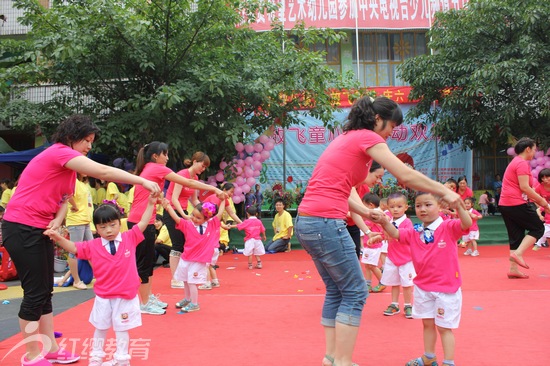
x,y
539,162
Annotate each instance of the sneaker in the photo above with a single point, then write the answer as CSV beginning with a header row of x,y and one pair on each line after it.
x,y
475,253
151,309
40,361
468,252
250,266
369,287
379,288
422,361
189,308
408,312
183,303
392,310
61,356
156,301
177,284
536,248
259,265
115,363
95,361
206,286
215,284
544,245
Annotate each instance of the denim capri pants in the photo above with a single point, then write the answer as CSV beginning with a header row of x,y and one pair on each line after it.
x,y
330,246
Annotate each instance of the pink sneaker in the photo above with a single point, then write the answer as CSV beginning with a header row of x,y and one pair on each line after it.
x,y
61,356
40,361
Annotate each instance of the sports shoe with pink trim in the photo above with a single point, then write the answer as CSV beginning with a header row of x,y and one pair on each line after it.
x,y
61,356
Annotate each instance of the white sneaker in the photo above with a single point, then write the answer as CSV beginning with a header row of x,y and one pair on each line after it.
x,y
215,284
206,286
475,253
177,284
151,309
468,252
156,301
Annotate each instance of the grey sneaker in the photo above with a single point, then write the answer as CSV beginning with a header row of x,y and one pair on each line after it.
x,y
189,308
408,312
468,252
156,301
215,284
183,303
475,253
151,309
392,310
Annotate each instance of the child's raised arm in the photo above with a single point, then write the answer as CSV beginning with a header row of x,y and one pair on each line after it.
x,y
387,226
166,205
221,209
146,217
63,242
464,217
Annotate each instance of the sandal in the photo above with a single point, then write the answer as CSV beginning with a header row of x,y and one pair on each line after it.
x,y
249,265
259,265
422,361
331,360
80,285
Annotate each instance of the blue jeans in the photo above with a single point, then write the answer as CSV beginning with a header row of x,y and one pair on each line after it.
x,y
333,252
279,245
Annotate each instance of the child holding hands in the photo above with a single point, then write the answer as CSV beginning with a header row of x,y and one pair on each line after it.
x,y
202,234
470,239
253,229
437,293
113,256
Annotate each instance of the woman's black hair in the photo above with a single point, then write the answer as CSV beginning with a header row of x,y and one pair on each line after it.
x,y
74,129
227,186
145,154
374,166
251,210
106,213
364,110
523,143
543,173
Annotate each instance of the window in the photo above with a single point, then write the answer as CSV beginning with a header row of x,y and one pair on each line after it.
x,y
331,52
380,53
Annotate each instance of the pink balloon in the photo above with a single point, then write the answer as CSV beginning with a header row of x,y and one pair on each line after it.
x,y
219,177
239,181
547,152
237,191
223,165
539,154
239,146
265,154
249,149
237,199
258,147
541,160
533,163
238,170
248,172
240,163
547,164
245,188
256,173
269,145
248,160
510,151
257,165
264,139
256,156
250,181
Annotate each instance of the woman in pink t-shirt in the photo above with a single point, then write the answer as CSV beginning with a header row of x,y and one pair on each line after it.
x,y
151,164
179,197
463,190
40,203
321,228
517,206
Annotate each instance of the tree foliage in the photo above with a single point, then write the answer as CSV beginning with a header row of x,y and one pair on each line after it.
x,y
192,74
489,73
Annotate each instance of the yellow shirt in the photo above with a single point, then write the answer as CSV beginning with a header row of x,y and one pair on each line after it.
x,y
281,223
121,198
224,234
93,192
83,200
6,195
100,195
164,236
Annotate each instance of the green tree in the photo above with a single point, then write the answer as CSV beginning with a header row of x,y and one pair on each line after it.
x,y
192,74
489,73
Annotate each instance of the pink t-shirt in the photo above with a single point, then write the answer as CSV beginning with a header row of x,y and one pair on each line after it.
x,y
436,263
341,166
116,275
43,187
546,195
199,248
362,190
399,251
375,228
474,226
155,173
185,193
511,194
215,200
467,193
252,228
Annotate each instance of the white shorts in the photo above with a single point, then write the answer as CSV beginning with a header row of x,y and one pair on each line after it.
x,y
546,235
253,247
191,272
121,314
215,256
371,256
472,235
398,275
384,246
443,307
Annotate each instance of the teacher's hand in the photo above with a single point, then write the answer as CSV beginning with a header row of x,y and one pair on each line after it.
x,y
453,199
152,187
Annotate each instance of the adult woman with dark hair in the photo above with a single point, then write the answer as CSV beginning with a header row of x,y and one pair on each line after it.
x,y
320,226
517,206
463,190
44,189
151,164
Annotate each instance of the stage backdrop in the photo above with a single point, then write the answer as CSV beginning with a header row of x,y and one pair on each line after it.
x,y
412,143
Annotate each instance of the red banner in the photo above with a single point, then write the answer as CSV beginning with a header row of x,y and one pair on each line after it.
x,y
360,14
399,94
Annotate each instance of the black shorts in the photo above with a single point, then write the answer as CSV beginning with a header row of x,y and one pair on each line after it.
x,y
32,255
518,220
176,236
145,253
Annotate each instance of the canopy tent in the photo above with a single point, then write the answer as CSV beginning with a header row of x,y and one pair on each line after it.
x,y
22,157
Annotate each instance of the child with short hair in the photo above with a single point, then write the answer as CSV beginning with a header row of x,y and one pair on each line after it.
x,y
371,251
116,303
253,229
202,233
470,239
543,189
383,249
398,269
437,293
